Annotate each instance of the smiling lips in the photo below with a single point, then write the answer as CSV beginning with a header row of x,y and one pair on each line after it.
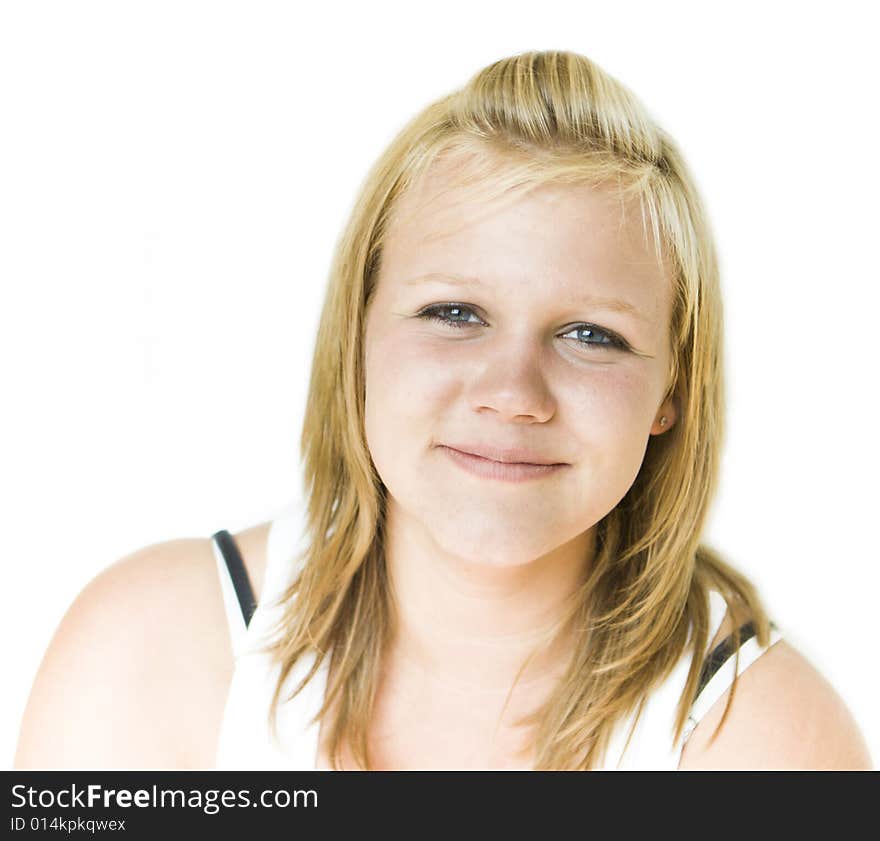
x,y
506,465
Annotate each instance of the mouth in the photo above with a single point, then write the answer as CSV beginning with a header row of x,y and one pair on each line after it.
x,y
506,471
503,455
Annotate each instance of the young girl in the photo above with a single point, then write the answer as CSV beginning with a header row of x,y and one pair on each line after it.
x,y
511,442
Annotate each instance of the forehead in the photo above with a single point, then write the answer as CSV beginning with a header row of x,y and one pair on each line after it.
x,y
558,237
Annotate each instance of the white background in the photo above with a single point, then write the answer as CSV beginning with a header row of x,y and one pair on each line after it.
x,y
173,178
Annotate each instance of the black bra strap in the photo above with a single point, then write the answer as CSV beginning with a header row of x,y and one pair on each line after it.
x,y
238,573
722,653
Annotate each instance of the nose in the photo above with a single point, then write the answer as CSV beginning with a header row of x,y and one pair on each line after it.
x,y
510,380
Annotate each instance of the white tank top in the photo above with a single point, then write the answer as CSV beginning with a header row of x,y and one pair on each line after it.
x,y
245,741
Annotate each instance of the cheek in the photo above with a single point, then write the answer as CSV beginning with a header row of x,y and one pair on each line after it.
x,y
404,374
609,413
408,384
616,401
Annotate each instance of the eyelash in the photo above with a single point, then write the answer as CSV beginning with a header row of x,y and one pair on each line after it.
x,y
433,313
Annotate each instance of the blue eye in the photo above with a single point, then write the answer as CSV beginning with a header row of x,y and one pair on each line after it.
x,y
590,334
457,315
437,313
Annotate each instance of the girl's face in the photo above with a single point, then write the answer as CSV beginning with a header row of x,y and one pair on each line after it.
x,y
533,332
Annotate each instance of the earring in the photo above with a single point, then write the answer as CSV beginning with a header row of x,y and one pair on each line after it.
x,y
663,421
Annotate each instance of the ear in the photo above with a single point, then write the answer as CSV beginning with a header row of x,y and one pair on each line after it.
x,y
668,410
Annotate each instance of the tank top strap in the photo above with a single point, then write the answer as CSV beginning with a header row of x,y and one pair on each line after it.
x,y
724,662
245,741
284,546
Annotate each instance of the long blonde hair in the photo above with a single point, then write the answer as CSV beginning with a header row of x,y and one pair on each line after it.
x,y
526,120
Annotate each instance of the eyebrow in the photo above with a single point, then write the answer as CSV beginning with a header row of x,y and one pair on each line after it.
x,y
614,304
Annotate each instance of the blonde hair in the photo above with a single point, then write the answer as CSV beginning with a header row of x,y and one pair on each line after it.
x,y
530,119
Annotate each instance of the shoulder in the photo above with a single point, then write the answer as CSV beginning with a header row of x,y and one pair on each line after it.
x,y
141,661
784,715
